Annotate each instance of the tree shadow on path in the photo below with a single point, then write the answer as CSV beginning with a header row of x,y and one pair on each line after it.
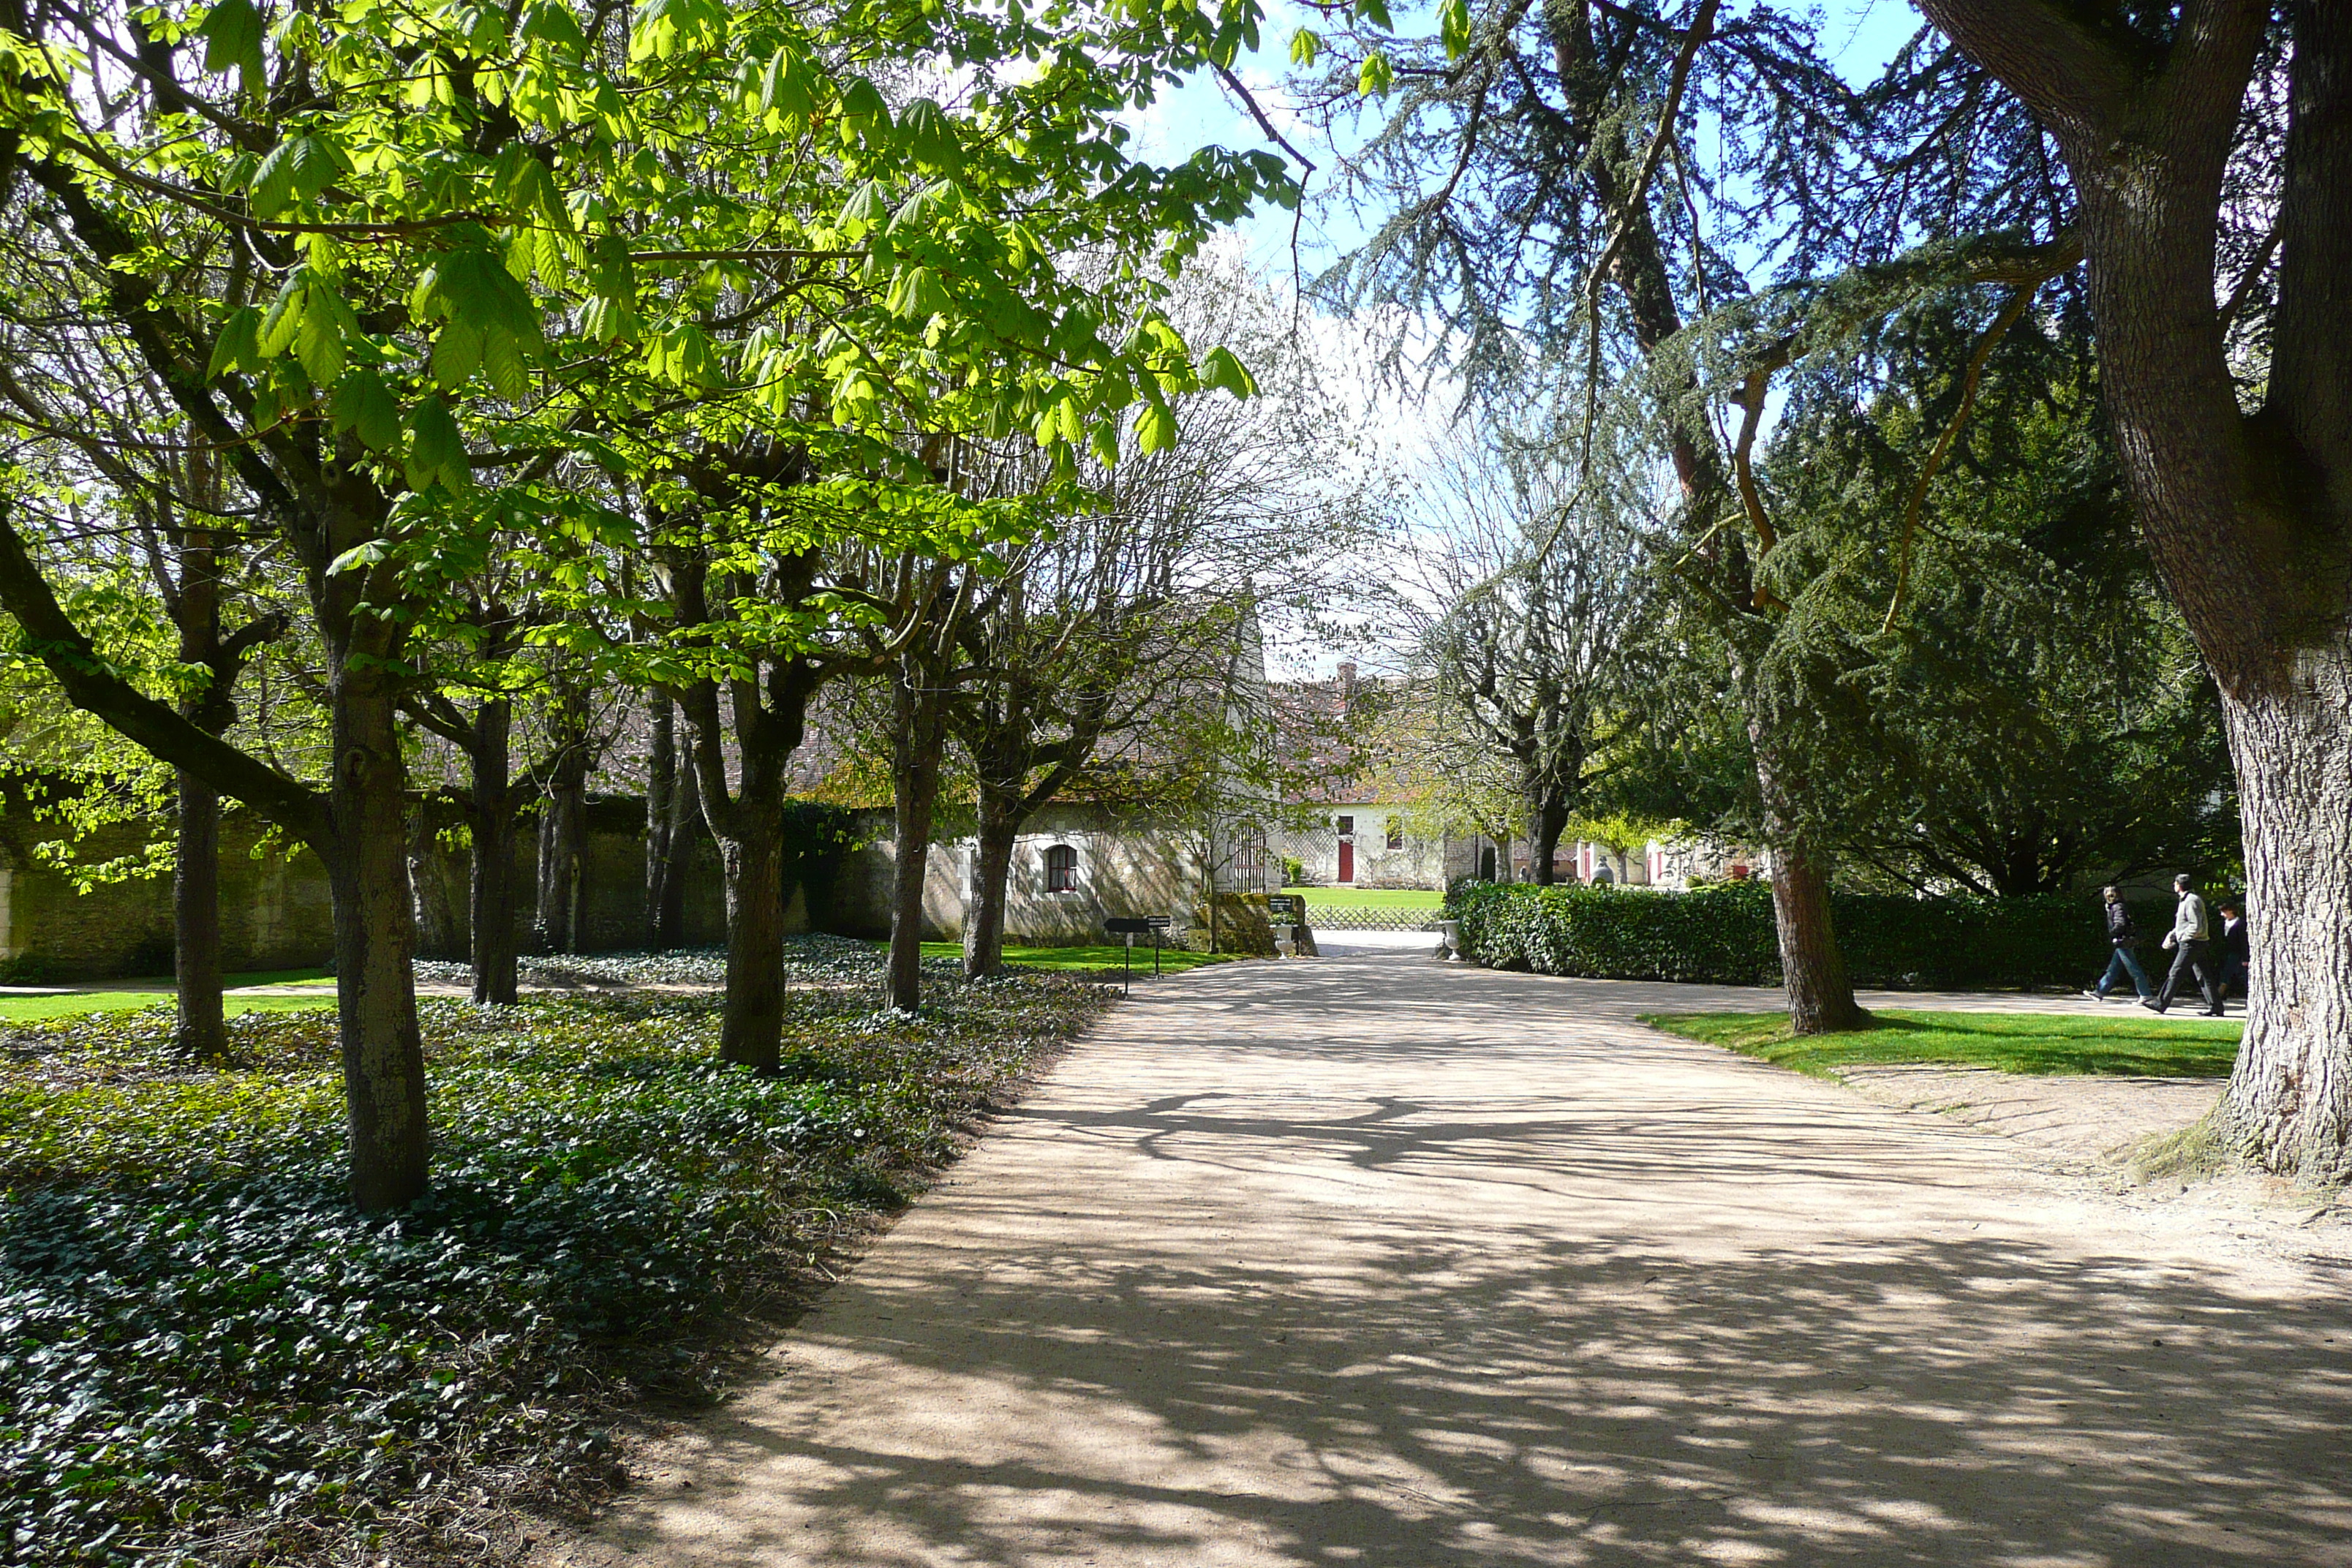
x,y
1350,1298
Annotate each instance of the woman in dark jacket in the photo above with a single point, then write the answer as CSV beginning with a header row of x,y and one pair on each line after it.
x,y
2123,939
2236,951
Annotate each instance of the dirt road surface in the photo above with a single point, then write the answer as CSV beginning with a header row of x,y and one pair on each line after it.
x,y
1376,1262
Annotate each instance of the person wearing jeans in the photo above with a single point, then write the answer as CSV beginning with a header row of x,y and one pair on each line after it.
x,y
2124,938
2192,946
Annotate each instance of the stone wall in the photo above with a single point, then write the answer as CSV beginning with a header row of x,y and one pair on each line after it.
x,y
275,909
1125,866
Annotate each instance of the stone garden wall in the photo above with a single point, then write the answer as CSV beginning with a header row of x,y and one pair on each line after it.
x,y
275,912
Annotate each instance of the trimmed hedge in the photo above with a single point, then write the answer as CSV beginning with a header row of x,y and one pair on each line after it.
x,y
1726,936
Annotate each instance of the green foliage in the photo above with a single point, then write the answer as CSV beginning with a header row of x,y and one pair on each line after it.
x,y
200,1331
1622,831
2133,1046
1725,935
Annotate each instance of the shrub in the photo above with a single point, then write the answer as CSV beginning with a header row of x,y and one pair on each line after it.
x,y
1725,935
205,1353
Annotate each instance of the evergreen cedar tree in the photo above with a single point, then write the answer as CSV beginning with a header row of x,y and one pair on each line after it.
x,y
1565,184
2246,503
434,304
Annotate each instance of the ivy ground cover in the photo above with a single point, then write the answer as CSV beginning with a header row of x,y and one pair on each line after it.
x,y
205,1356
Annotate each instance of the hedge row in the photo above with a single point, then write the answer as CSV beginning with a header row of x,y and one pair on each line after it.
x,y
1725,935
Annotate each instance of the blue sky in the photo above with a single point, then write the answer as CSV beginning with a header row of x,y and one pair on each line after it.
x,y
1861,34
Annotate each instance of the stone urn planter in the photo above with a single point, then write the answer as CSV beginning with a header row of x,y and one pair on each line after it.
x,y
1449,941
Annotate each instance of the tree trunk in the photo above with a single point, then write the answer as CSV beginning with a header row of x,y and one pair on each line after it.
x,y
661,836
1548,818
1820,997
2290,1098
383,1058
2248,516
428,887
983,923
1812,970
491,904
562,838
919,737
751,1033
202,1035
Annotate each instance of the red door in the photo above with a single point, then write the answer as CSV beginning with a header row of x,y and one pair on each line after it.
x,y
1347,860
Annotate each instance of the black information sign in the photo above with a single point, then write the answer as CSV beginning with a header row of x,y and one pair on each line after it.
x,y
1133,926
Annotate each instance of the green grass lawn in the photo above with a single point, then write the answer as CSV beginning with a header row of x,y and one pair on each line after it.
x,y
1369,898
1069,959
2130,1047
72,1003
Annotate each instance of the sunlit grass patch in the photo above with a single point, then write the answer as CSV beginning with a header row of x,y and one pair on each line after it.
x,y
2039,1043
1369,899
75,1003
1092,959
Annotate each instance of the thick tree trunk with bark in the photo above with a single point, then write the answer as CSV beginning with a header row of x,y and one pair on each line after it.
x,y
751,1032
1820,997
1547,820
383,1058
201,1032
2248,516
983,923
1813,969
2290,1098
491,817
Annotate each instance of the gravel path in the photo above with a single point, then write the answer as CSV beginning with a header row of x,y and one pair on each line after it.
x,y
1370,1261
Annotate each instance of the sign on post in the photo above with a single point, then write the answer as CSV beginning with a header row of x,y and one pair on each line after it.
x,y
1133,926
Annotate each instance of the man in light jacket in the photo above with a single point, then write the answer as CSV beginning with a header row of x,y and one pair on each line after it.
x,y
2191,941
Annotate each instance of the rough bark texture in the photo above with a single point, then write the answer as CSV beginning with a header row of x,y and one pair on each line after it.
x,y
1820,996
1547,819
2248,516
751,1032
491,817
383,1058
201,1032
983,924
2290,1098
919,739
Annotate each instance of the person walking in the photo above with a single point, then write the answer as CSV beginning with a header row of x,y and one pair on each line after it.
x,y
2123,937
2236,951
2191,942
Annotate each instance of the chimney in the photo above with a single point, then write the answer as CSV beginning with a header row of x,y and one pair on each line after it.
x,y
1346,684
